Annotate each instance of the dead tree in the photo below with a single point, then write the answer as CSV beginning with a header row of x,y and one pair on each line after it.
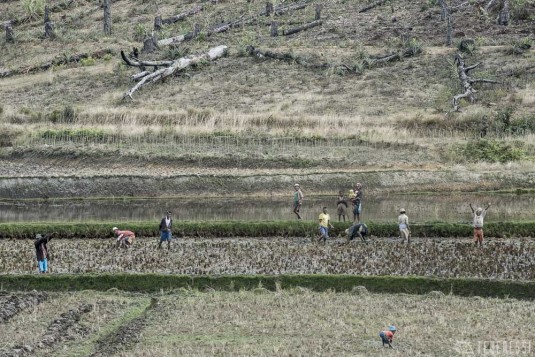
x,y
10,37
107,16
444,9
274,29
279,10
158,23
318,12
301,28
503,17
449,30
150,44
446,15
372,6
49,30
341,67
182,16
269,8
47,14
466,82
170,67
391,57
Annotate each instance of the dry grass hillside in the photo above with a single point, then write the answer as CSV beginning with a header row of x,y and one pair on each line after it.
x,y
252,113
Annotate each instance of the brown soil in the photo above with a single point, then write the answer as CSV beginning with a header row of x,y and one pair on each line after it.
x,y
125,337
11,305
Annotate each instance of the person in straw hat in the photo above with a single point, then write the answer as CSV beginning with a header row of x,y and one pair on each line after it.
x,y
404,229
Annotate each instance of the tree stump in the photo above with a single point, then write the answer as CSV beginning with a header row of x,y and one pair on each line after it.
x,y
107,16
318,11
274,28
150,44
269,8
47,14
10,37
449,34
49,30
158,23
503,17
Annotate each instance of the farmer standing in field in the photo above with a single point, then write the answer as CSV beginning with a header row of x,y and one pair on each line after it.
x,y
325,224
404,229
166,225
41,251
357,202
479,216
124,238
388,335
298,200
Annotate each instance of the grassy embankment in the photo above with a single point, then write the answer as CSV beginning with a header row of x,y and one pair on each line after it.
x,y
316,282
382,116
258,229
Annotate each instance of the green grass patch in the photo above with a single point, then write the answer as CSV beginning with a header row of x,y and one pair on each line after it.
x,y
255,229
339,283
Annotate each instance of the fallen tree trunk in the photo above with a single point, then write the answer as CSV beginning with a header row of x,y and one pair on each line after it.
x,y
171,67
56,62
290,58
466,81
279,10
302,28
391,57
372,6
182,16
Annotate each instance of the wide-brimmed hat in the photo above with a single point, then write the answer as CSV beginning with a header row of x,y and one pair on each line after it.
x,y
38,236
296,185
114,229
402,210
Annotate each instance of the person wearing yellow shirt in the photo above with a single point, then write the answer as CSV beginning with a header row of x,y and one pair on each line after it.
x,y
325,224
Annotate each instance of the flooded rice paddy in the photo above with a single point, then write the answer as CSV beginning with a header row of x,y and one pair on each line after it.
x,y
420,208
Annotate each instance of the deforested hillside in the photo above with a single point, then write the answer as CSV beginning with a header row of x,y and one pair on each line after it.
x,y
301,87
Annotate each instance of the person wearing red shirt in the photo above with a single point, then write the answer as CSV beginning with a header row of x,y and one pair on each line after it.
x,y
388,335
124,238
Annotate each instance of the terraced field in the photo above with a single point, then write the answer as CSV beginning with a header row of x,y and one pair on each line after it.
x,y
263,323
448,258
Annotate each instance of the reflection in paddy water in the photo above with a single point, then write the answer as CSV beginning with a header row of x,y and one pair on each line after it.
x,y
420,208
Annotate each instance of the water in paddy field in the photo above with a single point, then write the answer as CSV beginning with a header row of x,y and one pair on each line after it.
x,y
420,208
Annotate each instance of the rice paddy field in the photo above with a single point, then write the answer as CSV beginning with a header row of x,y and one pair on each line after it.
x,y
510,259
285,322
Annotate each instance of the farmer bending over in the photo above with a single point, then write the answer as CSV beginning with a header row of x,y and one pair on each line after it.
x,y
479,215
387,336
124,238
357,230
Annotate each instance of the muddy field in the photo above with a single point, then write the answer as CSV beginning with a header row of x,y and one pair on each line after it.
x,y
497,259
262,323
